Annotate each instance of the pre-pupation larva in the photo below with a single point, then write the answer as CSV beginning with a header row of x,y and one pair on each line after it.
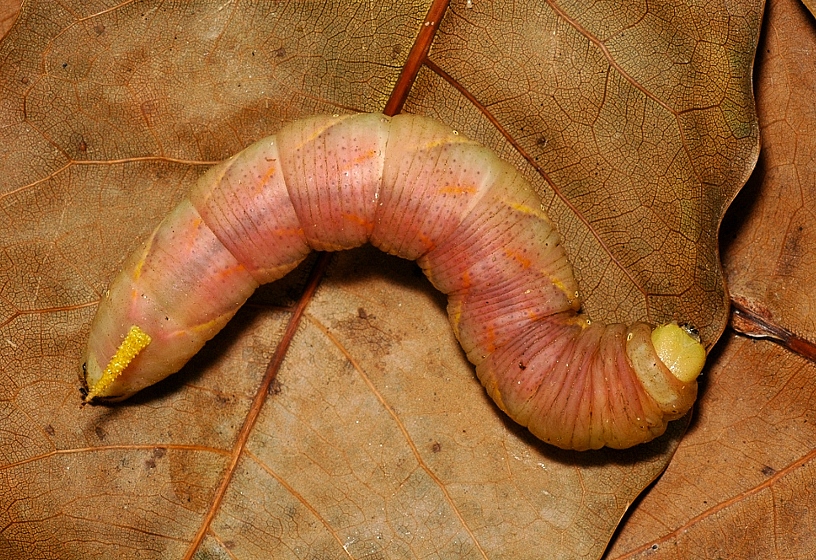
x,y
414,188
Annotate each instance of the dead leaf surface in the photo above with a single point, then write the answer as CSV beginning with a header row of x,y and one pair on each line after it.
x,y
743,481
9,9
772,252
376,439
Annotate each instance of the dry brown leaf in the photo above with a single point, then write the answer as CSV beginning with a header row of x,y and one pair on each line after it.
x,y
772,251
376,440
743,481
9,9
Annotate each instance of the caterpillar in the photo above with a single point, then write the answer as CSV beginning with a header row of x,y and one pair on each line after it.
x,y
412,187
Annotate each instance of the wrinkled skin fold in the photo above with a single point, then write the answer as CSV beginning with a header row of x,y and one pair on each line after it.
x,y
416,189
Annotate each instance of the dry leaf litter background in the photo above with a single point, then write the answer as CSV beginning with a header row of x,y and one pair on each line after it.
x,y
741,484
376,440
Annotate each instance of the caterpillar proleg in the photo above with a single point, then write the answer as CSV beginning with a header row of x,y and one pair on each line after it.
x,y
414,188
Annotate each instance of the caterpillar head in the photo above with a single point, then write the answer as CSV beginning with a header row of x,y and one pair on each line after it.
x,y
679,348
667,361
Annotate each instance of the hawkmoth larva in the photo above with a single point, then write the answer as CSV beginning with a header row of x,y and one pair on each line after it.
x,y
414,188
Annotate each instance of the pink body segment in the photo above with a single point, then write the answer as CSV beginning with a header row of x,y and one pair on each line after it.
x,y
411,187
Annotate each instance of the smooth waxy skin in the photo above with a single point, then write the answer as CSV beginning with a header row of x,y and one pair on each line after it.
x,y
679,350
416,189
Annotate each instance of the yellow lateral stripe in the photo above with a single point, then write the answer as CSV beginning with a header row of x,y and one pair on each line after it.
x,y
457,189
135,341
527,209
455,138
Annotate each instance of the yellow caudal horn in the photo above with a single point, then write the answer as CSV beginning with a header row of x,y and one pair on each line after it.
x,y
135,341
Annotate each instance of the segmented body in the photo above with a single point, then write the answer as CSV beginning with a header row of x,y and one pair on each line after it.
x,y
416,189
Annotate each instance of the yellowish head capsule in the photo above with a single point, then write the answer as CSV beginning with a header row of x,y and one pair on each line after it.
x,y
681,352
135,341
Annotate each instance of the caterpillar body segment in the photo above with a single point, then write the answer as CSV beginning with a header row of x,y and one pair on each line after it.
x,y
414,188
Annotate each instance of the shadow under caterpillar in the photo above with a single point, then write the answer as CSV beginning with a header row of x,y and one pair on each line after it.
x,y
414,188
